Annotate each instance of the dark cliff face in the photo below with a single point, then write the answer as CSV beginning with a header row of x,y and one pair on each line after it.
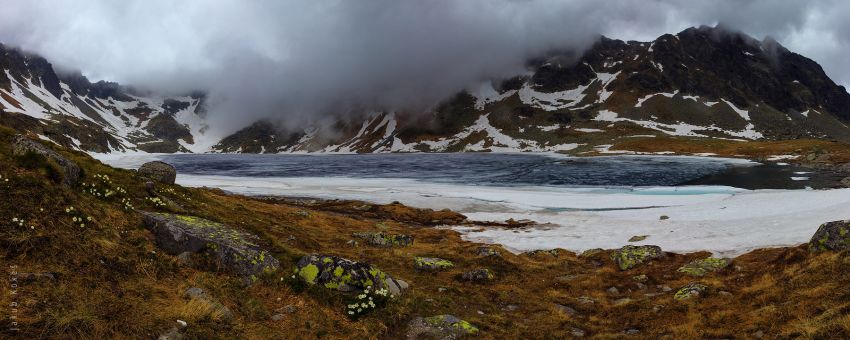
x,y
709,62
24,65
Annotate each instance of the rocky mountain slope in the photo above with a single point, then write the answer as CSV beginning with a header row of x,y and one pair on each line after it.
x,y
97,117
702,82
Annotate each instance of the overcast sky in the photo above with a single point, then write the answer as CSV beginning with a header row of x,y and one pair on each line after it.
x,y
296,59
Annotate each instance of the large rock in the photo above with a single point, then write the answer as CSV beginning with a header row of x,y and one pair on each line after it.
x,y
345,275
833,235
439,327
692,290
159,171
70,170
380,239
233,249
631,256
704,266
431,264
480,275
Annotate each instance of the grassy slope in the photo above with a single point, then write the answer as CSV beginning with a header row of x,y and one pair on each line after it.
x,y
113,283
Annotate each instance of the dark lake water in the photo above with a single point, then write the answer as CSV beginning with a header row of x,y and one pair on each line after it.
x,y
506,169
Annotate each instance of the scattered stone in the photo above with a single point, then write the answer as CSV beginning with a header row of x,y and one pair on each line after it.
x,y
665,288
351,243
442,289
664,217
577,332
487,252
277,317
591,252
345,275
623,301
613,291
553,252
439,327
689,291
631,256
70,170
657,308
431,264
158,171
566,278
640,286
640,278
288,309
216,309
182,323
479,275
566,309
171,334
632,331
380,239
638,238
184,259
585,300
233,249
511,308
725,293
704,266
758,334
833,236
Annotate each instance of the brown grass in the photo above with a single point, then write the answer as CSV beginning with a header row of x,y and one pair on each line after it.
x,y
113,283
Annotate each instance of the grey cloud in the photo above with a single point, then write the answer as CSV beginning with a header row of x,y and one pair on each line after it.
x,y
301,60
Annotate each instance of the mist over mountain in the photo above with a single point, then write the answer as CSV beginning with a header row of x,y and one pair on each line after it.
x,y
298,63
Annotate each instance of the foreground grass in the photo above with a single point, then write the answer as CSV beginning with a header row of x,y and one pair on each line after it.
x,y
110,281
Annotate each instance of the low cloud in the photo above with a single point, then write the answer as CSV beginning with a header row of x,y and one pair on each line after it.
x,y
297,61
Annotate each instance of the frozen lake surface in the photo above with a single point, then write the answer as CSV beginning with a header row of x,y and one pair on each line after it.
x,y
582,203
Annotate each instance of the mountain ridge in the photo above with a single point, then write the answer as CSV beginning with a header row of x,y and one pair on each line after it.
x,y
704,82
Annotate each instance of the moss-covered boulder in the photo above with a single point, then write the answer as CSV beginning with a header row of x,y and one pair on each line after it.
x,y
440,327
692,290
479,275
233,249
629,257
487,252
431,264
704,266
70,170
833,236
159,171
345,275
381,239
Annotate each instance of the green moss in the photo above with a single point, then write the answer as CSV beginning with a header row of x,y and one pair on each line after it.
x,y
704,266
309,273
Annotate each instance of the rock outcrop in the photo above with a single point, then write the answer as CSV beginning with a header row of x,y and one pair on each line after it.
x,y
833,235
439,327
704,266
70,170
381,239
345,275
691,290
431,264
233,249
480,275
629,257
159,171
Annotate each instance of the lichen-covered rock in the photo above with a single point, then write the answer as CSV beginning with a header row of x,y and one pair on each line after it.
x,y
439,327
591,252
631,256
487,252
833,235
431,264
345,275
553,252
233,249
691,290
638,238
70,170
704,266
386,240
479,275
159,171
